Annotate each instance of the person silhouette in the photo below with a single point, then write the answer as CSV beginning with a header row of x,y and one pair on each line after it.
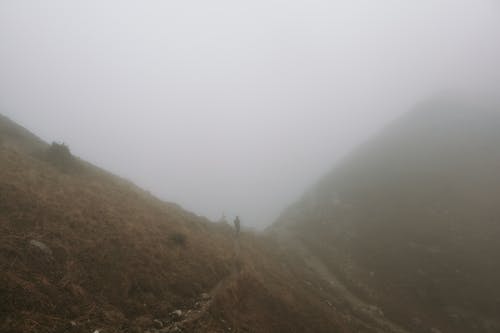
x,y
237,224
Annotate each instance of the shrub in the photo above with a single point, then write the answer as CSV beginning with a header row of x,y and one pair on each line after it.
x,y
178,238
59,155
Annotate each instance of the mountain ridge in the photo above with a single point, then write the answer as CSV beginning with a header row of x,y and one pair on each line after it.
x,y
386,242
414,213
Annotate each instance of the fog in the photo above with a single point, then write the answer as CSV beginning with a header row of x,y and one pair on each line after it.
x,y
229,106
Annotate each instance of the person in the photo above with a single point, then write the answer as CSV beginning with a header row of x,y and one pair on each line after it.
x,y
237,224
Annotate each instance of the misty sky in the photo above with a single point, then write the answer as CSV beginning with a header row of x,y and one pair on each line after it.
x,y
234,106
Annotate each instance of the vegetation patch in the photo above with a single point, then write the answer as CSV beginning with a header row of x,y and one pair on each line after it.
x,y
178,238
59,155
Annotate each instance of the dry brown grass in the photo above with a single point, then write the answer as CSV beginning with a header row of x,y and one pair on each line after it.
x,y
115,249
118,258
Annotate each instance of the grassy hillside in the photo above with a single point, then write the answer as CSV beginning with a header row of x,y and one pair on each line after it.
x,y
83,250
113,252
411,220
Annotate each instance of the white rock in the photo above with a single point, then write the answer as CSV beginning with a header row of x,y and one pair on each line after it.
x,y
41,246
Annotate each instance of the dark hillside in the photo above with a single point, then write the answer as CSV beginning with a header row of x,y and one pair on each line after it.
x,y
411,220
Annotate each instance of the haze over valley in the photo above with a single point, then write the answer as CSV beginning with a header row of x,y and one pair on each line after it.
x,y
230,107
263,167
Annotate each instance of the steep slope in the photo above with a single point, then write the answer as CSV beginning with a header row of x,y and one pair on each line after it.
x,y
83,250
411,220
91,248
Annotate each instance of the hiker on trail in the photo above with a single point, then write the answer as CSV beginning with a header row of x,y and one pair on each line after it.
x,y
237,225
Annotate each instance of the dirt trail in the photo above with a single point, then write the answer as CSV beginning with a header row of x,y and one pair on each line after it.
x,y
183,318
358,306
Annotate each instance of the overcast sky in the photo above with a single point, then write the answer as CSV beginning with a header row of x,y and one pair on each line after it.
x,y
234,106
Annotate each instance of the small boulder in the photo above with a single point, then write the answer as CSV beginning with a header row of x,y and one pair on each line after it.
x,y
41,247
158,323
177,313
